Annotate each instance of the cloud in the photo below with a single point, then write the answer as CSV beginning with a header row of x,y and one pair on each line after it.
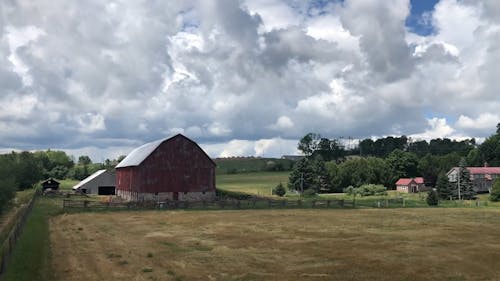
x,y
234,74
484,121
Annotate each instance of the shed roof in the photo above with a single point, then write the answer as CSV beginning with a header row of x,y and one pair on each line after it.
x,y
407,181
89,178
50,181
138,155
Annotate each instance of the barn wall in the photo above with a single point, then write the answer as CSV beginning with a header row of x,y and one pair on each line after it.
x,y
177,165
163,196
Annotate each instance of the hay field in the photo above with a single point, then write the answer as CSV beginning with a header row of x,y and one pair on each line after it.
x,y
369,244
258,183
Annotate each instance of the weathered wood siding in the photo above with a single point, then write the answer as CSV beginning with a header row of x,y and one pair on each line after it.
x,y
176,165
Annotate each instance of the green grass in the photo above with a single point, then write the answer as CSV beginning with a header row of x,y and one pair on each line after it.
x,y
258,183
30,259
67,184
245,165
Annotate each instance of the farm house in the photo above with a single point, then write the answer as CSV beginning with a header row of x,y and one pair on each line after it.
x,y
101,182
175,168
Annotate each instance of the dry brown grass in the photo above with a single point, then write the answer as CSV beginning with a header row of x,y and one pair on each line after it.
x,y
397,244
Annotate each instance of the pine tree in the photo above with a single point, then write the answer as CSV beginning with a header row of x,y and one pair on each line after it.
x,y
302,176
466,188
321,177
432,198
444,188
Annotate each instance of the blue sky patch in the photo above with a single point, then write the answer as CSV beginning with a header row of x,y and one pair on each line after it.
x,y
419,20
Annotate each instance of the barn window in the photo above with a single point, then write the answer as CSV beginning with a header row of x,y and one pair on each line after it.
x,y
203,192
185,192
156,193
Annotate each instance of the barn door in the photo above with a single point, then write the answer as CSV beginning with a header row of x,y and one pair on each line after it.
x,y
176,196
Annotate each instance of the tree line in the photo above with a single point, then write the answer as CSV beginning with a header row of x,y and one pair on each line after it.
x,y
329,167
22,170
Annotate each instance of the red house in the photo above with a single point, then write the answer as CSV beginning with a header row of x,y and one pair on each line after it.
x,y
169,169
411,185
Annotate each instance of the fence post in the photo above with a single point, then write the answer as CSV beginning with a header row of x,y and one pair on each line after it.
x,y
341,203
313,203
299,203
328,203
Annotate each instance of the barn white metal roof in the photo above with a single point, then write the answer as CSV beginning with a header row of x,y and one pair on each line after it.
x,y
88,179
138,155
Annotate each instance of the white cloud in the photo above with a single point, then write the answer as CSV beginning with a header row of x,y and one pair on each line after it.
x,y
437,128
485,121
244,70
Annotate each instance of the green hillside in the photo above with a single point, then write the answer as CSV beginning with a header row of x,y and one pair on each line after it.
x,y
251,164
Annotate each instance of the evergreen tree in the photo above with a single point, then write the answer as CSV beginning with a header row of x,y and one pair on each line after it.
x,y
302,176
466,188
279,190
432,198
321,176
444,188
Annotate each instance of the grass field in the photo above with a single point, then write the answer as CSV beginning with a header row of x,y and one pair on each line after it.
x,y
369,244
67,184
244,165
259,183
31,256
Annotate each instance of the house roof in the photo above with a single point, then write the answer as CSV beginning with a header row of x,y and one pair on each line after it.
x,y
138,155
88,179
480,170
407,181
484,170
50,181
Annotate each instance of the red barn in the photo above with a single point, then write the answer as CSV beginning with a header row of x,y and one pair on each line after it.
x,y
175,169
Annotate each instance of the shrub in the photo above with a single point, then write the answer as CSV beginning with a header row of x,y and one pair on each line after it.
x,y
350,190
372,190
279,190
432,198
495,191
309,193
232,194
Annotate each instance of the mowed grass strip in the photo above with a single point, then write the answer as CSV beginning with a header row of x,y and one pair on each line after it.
x,y
30,259
259,183
368,244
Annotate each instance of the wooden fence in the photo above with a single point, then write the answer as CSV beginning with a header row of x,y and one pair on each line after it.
x,y
8,244
207,205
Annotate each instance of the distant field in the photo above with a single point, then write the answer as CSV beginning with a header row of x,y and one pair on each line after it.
x,y
250,164
260,183
369,244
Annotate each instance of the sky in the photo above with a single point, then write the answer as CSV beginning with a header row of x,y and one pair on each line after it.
x,y
247,77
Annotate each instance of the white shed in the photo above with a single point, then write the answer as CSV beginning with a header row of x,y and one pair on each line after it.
x,y
102,182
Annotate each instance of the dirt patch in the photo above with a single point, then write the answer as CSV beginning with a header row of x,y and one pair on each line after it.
x,y
409,244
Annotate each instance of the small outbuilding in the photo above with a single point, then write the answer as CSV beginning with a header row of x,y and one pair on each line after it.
x,y
51,184
175,168
102,182
411,185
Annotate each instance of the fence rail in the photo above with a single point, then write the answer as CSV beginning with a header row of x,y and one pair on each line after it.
x,y
8,244
202,205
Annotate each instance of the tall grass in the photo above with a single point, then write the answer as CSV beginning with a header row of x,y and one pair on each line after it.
x,y
30,259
